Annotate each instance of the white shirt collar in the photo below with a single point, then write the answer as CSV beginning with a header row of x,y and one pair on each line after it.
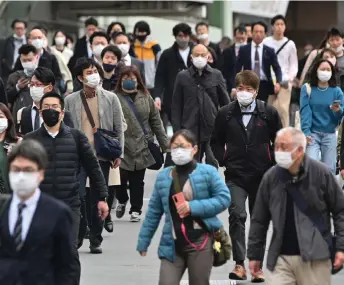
x,y
127,59
254,44
51,134
29,202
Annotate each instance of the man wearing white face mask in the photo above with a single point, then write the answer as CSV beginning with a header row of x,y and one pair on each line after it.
x,y
299,195
37,229
28,118
98,41
121,40
106,111
45,58
202,32
242,142
198,94
18,92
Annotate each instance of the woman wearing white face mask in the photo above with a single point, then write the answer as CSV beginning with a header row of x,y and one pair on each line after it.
x,y
8,138
191,195
321,110
60,45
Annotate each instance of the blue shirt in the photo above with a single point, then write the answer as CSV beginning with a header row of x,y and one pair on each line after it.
x,y
315,112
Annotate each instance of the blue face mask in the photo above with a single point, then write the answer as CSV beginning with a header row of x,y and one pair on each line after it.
x,y
129,85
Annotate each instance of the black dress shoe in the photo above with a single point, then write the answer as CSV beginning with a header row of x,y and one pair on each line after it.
x,y
108,225
95,249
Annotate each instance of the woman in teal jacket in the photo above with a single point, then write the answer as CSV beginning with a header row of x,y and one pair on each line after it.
x,y
187,238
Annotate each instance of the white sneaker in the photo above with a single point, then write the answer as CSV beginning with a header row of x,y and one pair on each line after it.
x,y
135,217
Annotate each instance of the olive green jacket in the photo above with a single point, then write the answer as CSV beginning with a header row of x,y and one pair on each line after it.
x,y
136,153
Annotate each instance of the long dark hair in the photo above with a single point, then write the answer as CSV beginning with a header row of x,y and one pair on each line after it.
x,y
11,135
314,74
128,70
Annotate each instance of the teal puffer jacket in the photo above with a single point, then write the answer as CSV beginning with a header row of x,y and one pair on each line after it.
x,y
210,197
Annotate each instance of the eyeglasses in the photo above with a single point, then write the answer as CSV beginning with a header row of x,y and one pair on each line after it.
x,y
54,107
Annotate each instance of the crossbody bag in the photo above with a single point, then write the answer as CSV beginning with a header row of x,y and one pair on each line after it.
x,y
106,142
154,148
317,220
222,245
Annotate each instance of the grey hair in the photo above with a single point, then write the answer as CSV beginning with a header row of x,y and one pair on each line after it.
x,y
298,137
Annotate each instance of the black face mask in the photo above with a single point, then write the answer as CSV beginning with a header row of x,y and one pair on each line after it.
x,y
108,67
50,117
141,38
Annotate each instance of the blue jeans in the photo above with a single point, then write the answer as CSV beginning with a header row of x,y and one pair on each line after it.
x,y
326,145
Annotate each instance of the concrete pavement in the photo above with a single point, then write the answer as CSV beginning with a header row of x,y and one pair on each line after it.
x,y
120,264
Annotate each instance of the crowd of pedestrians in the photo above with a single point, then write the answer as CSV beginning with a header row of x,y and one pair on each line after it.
x,y
81,124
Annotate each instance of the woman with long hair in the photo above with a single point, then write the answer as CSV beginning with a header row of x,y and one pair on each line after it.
x,y
143,123
321,109
8,138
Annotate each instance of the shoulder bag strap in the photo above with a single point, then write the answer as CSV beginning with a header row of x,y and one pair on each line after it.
x,y
312,214
133,109
87,109
282,47
176,181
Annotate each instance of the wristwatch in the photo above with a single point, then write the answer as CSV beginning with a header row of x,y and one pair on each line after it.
x,y
103,199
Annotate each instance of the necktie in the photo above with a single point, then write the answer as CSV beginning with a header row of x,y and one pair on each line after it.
x,y
37,124
256,67
18,241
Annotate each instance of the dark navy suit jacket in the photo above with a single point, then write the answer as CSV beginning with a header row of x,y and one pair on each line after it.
x,y
269,59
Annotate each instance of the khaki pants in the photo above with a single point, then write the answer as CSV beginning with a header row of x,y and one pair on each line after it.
x,y
291,270
281,102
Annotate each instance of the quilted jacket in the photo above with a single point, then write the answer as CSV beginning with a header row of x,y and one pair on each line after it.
x,y
211,197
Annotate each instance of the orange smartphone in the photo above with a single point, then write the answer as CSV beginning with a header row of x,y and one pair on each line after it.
x,y
178,200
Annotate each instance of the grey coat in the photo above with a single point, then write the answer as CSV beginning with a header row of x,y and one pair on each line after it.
x,y
109,108
136,153
322,192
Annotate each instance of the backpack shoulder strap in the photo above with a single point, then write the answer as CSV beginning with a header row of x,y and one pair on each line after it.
x,y
282,47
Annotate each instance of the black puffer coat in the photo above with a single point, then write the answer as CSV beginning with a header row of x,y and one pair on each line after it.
x,y
65,159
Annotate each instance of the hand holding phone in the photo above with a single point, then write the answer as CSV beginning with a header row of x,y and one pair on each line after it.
x,y
181,204
335,105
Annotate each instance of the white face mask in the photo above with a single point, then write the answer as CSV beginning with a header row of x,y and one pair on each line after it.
x,y
238,45
3,124
338,49
203,37
93,80
36,93
181,156
29,65
38,43
23,183
324,75
70,46
284,159
60,41
199,62
97,50
245,98
124,49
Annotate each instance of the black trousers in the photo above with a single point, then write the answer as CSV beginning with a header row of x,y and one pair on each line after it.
x,y
112,196
92,198
205,150
266,88
76,260
136,189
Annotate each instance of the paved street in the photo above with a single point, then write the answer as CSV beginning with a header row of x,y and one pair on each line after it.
x,y
120,264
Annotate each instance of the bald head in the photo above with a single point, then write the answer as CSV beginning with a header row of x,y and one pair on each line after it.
x,y
36,34
200,50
